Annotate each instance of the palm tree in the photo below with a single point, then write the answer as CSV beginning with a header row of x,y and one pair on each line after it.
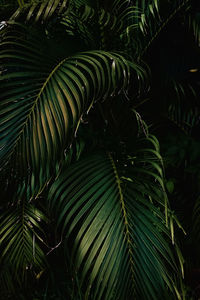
x,y
82,177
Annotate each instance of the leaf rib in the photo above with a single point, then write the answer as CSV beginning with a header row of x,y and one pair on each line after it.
x,y
34,105
125,217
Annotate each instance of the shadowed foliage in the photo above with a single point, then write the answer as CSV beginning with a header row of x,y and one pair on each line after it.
x,y
92,205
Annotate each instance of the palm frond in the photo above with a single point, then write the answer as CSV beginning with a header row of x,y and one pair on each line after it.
x,y
111,211
20,238
90,22
185,119
128,14
40,11
83,22
151,25
43,99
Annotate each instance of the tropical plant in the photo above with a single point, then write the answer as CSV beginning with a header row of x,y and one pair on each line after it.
x,y
82,177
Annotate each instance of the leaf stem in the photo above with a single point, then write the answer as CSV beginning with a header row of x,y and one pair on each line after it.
x,y
125,217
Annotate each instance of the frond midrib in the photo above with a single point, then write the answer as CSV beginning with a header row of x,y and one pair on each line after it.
x,y
33,107
125,219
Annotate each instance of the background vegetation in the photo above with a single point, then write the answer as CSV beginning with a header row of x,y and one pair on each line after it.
x,y
99,149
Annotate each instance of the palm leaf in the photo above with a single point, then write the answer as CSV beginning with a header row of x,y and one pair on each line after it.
x,y
112,212
20,236
83,22
43,99
151,26
125,18
40,11
186,120
90,22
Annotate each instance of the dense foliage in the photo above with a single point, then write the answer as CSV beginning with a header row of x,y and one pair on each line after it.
x,y
99,149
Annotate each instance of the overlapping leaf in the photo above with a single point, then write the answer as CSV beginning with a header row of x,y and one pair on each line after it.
x,y
89,22
112,212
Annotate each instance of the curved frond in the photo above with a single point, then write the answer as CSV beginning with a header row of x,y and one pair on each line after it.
x,y
40,11
112,212
43,99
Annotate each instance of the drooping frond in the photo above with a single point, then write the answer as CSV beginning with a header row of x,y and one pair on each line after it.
x,y
128,14
40,11
43,98
112,212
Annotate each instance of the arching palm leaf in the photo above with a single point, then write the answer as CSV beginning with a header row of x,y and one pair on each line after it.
x,y
120,242
43,99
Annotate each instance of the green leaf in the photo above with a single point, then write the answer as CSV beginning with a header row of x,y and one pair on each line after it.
x,y
41,10
20,237
120,245
41,111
